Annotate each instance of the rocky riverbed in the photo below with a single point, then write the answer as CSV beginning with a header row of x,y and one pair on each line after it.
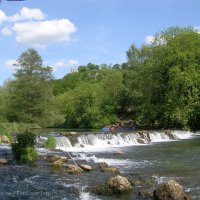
x,y
133,172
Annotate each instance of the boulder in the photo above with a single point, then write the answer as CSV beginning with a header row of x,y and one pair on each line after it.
x,y
73,133
111,169
85,167
3,161
141,141
103,165
58,164
73,169
115,185
119,184
170,190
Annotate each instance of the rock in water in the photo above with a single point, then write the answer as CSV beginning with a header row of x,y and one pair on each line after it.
x,y
110,169
85,167
115,185
58,164
73,169
3,161
171,190
119,153
119,184
103,165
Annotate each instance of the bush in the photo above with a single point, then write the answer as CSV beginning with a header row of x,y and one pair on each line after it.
x,y
26,139
50,143
28,154
24,148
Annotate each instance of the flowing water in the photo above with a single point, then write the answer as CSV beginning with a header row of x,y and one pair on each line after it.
x,y
156,154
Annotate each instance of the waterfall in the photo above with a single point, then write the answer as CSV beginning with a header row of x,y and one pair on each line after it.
x,y
101,140
63,143
159,137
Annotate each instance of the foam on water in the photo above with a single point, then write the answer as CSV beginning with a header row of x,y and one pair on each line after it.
x,y
124,164
31,179
86,195
105,142
182,134
43,151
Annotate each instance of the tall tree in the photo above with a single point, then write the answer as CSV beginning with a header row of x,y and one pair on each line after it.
x,y
163,87
31,98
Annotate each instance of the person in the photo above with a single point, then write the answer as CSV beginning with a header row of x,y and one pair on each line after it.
x,y
106,129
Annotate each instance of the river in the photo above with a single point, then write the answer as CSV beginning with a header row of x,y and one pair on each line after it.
x,y
160,158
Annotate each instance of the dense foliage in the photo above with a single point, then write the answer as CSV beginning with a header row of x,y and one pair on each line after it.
x,y
30,96
158,87
24,149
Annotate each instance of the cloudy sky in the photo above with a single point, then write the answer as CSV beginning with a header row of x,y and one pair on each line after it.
x,y
69,33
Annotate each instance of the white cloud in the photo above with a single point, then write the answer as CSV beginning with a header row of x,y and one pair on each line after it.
x,y
68,64
2,16
27,14
24,14
40,34
6,31
149,39
10,64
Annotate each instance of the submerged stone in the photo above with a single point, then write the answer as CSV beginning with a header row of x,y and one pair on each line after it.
x,y
113,170
148,193
73,169
119,153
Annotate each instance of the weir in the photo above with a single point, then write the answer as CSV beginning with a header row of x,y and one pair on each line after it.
x,y
102,140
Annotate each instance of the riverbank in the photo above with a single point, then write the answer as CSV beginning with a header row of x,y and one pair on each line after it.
x,y
157,162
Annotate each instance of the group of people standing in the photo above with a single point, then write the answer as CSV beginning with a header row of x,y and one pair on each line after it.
x,y
113,128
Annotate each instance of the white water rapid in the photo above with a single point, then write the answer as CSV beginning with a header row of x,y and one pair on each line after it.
x,y
96,142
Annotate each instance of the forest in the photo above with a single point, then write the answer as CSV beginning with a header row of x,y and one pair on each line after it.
x,y
158,87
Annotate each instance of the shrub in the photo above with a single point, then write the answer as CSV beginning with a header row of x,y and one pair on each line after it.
x,y
50,143
26,139
28,154
24,148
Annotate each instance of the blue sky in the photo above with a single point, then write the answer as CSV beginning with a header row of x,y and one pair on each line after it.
x,y
69,33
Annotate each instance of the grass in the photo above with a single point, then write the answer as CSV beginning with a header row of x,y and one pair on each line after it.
x,y
50,143
18,127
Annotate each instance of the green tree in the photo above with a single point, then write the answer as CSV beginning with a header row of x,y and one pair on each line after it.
x,y
30,93
3,103
162,80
